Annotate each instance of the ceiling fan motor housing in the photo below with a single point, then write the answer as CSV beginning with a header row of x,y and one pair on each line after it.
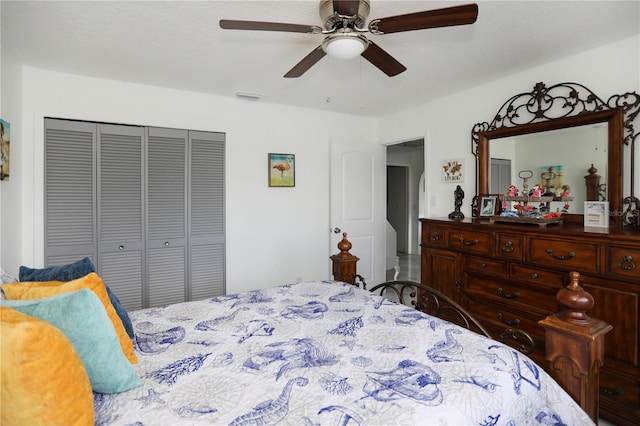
x,y
332,18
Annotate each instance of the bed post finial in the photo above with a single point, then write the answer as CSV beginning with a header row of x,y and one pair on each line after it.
x,y
344,246
575,301
344,263
575,345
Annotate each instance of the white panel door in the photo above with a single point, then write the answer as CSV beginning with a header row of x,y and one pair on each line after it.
x,y
358,204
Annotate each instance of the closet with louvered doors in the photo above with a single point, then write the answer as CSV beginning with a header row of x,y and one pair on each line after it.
x,y
150,202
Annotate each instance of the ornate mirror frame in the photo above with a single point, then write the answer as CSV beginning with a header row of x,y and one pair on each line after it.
x,y
561,106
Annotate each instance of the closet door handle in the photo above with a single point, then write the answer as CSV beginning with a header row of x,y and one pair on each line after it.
x,y
120,247
166,243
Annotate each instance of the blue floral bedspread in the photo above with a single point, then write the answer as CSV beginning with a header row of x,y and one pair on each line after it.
x,y
326,353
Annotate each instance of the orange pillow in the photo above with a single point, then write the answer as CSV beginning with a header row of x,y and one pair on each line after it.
x,y
43,380
92,281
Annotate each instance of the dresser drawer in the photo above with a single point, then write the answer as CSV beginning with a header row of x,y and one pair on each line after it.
x,y
619,390
488,266
509,246
572,255
537,277
506,318
517,331
539,300
469,241
432,235
624,262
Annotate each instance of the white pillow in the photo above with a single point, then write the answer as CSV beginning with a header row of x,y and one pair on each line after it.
x,y
6,278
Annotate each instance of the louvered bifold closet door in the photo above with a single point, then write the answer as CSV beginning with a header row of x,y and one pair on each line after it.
x,y
206,224
166,216
120,177
69,191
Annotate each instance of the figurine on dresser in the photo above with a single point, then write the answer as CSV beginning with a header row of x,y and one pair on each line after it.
x,y
458,195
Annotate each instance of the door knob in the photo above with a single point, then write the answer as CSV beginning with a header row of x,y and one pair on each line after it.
x,y
337,230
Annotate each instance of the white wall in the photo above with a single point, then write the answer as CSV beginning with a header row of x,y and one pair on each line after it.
x,y
274,235
10,191
608,70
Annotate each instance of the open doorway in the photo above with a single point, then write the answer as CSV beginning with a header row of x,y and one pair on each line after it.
x,y
398,204
405,171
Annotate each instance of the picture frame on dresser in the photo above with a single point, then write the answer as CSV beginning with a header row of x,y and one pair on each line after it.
x,y
489,205
596,214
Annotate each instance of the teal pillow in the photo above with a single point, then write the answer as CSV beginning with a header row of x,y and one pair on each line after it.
x,y
82,318
73,271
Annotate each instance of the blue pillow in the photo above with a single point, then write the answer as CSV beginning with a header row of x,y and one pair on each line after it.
x,y
73,271
82,318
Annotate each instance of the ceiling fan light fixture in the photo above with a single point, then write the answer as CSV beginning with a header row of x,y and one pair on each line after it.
x,y
345,45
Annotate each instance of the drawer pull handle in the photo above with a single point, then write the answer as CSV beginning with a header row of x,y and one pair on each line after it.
x,y
627,263
507,295
534,275
561,257
468,243
483,265
435,236
507,322
616,392
508,247
528,347
120,247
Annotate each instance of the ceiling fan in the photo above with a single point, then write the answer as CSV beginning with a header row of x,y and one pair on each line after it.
x,y
344,26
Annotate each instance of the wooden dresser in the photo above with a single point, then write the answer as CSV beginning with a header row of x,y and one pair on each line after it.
x,y
507,276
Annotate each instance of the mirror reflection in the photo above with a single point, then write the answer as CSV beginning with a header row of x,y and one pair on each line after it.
x,y
554,162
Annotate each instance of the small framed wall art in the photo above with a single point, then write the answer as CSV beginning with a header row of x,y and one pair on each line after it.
x,y
282,170
453,170
489,205
5,149
596,214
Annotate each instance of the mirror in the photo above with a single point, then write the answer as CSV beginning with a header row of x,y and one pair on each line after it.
x,y
611,171
564,106
525,161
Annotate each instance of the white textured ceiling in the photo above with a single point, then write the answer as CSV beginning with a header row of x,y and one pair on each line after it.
x,y
179,44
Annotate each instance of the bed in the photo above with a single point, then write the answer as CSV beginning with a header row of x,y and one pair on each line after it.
x,y
325,353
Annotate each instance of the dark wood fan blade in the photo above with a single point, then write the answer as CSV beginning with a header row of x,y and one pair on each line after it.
x,y
307,62
381,59
230,24
346,7
447,17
